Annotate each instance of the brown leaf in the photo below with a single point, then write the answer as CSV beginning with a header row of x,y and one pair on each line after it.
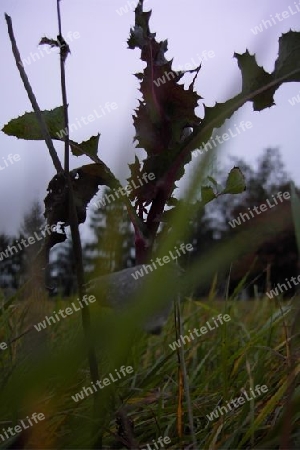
x,y
85,181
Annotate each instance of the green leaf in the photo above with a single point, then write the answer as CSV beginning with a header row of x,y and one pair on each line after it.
x,y
89,148
288,61
207,194
235,183
254,77
27,126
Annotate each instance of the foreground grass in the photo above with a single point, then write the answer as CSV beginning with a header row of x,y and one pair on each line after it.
x,y
254,348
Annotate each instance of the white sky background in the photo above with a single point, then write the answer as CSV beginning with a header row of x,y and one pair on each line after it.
x,y
100,69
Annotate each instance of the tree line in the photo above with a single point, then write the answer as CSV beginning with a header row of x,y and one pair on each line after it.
x,y
110,246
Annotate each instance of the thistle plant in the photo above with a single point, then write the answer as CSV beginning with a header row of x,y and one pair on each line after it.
x,y
169,131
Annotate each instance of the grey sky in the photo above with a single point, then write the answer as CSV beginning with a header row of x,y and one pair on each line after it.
x,y
100,70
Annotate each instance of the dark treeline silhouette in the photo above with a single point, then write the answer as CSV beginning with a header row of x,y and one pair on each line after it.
x,y
270,256
271,253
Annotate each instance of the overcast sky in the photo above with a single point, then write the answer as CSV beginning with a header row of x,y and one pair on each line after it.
x,y
100,72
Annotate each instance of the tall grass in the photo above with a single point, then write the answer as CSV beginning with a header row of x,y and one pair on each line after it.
x,y
253,348
42,370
